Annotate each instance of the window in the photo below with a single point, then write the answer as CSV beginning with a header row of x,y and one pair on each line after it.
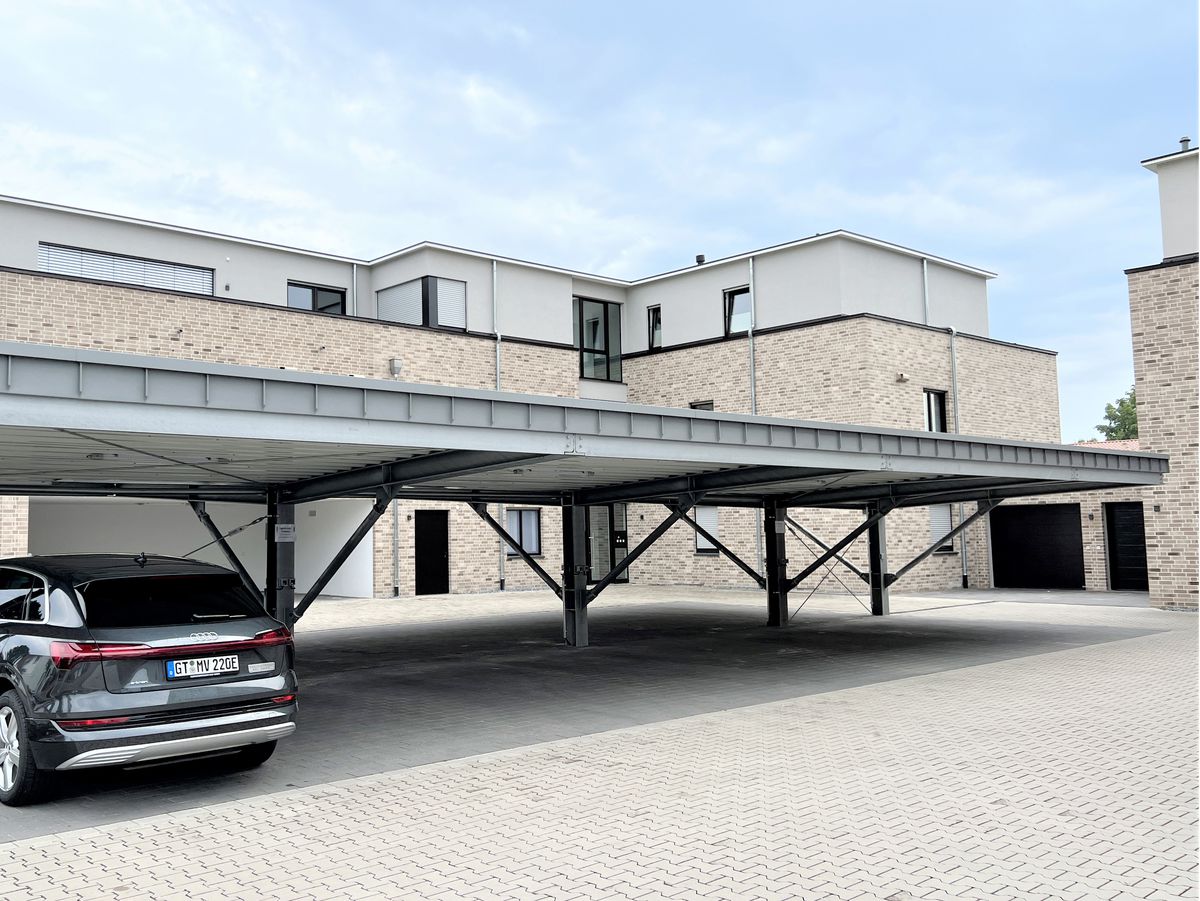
x,y
706,518
313,297
598,337
429,300
701,405
940,526
737,311
654,325
185,600
22,596
935,411
115,267
526,527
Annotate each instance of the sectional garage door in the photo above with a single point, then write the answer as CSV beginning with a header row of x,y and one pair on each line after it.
x,y
1037,546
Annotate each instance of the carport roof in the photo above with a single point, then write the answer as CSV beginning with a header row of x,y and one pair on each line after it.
x,y
85,422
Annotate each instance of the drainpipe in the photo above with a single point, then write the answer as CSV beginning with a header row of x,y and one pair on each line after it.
x,y
395,549
354,289
503,517
925,288
966,579
758,526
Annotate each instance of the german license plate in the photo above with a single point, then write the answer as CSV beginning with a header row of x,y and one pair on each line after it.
x,y
202,666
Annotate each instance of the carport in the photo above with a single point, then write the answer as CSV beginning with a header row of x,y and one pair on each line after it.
x,y
94,423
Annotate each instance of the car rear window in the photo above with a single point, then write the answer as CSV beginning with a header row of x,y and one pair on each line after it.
x,y
166,600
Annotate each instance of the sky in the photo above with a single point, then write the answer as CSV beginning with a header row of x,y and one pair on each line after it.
x,y
624,138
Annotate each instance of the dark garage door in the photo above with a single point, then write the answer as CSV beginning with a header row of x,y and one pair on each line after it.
x,y
1037,546
1126,547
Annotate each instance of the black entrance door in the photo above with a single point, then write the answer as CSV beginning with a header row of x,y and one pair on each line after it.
x,y
1037,546
1126,547
431,535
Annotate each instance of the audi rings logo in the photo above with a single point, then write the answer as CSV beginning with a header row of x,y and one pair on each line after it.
x,y
205,636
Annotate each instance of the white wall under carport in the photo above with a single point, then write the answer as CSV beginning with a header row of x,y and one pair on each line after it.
x,y
119,525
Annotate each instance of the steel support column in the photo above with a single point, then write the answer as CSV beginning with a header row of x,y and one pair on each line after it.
x,y
877,555
281,560
574,578
219,539
775,530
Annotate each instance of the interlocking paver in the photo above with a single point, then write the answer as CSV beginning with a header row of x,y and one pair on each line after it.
x,y
1070,773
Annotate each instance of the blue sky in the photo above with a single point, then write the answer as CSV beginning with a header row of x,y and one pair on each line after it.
x,y
624,138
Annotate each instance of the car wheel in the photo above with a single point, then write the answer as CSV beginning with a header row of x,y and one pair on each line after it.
x,y
21,782
254,755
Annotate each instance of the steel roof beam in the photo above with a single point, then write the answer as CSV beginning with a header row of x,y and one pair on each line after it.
x,y
745,477
415,470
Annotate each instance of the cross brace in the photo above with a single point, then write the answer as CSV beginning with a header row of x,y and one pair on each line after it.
x,y
702,532
382,499
985,507
219,539
874,516
678,512
482,512
823,546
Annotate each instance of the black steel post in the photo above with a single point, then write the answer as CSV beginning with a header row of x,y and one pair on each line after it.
x,y
775,530
574,579
281,560
877,553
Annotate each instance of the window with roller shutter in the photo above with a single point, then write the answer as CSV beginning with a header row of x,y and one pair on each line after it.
x,y
940,525
429,300
707,519
58,259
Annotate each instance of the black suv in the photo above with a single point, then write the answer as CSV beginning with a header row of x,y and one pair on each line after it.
x,y
112,660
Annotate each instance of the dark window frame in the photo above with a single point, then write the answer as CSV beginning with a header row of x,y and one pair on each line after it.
x,y
312,299
654,318
706,551
429,303
947,547
731,294
706,405
519,537
607,351
936,411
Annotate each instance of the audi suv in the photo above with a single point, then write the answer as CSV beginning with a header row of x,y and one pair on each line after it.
x,y
119,660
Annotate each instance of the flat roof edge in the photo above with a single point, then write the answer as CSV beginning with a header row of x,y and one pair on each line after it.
x,y
122,360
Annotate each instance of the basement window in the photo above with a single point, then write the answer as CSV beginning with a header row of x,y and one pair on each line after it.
x,y
526,527
315,297
429,300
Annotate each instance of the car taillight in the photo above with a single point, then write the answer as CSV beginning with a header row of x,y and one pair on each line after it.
x,y
283,699
65,654
95,723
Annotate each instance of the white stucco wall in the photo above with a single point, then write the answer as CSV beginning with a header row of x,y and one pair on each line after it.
x,y
1177,198
101,525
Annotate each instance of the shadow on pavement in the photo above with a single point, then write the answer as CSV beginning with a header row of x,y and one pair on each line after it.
x,y
387,697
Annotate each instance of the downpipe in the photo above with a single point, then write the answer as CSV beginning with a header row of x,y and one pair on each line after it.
x,y
966,578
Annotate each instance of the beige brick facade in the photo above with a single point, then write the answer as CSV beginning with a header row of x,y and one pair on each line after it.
x,y
14,526
1163,310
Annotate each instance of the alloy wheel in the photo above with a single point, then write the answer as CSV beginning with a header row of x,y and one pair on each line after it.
x,y
10,749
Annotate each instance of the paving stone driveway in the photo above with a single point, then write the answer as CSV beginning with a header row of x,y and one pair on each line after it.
x,y
1064,768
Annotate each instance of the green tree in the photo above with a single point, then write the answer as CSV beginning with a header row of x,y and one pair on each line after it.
x,y
1121,418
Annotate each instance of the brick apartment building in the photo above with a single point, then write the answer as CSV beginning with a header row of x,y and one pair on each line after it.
x,y
835,327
